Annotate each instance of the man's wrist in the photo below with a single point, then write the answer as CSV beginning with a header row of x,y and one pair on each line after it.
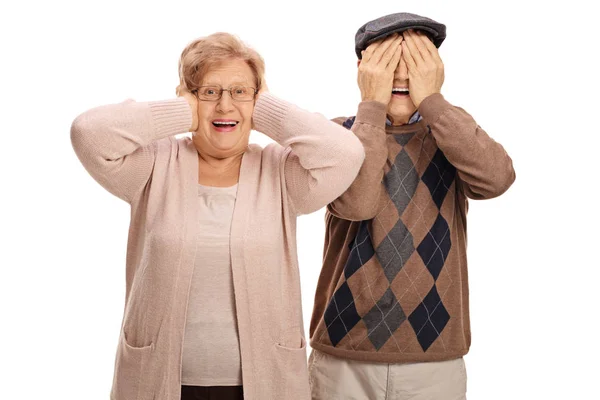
x,y
433,106
372,112
379,99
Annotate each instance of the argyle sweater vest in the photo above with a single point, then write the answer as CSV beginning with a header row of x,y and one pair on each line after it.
x,y
394,287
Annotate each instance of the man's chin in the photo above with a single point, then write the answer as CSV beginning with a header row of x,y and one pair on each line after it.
x,y
401,117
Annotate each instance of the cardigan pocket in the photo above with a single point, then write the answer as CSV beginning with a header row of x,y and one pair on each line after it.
x,y
129,372
291,372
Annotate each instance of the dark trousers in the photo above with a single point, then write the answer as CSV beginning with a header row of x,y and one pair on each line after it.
x,y
212,393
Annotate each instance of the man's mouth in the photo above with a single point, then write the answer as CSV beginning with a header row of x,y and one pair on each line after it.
x,y
400,91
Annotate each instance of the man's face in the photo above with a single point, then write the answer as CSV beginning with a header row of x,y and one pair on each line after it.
x,y
400,108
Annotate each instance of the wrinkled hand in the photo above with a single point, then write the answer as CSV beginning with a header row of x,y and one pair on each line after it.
x,y
193,103
425,67
263,89
376,70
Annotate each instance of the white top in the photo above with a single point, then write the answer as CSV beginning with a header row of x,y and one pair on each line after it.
x,y
211,349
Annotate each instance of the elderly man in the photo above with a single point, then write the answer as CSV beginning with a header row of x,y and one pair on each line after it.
x,y
391,316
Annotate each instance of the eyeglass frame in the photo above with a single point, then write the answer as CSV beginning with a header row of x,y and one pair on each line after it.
x,y
195,92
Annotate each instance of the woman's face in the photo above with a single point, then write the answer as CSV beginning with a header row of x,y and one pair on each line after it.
x,y
224,125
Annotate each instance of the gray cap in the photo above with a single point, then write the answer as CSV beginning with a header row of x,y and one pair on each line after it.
x,y
385,26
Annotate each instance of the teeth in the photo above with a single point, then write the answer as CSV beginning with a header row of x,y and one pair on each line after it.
x,y
225,123
401,90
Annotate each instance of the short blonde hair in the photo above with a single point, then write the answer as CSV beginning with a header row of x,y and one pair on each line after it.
x,y
206,52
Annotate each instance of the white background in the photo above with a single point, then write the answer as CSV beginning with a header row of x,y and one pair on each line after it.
x,y
526,70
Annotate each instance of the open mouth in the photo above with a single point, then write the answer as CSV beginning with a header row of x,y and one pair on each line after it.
x,y
225,124
400,91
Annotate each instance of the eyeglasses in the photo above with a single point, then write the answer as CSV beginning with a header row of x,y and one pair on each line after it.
x,y
214,93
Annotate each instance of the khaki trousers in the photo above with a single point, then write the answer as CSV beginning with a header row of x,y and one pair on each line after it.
x,y
333,378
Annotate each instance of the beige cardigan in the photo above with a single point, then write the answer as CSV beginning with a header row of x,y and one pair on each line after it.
x,y
130,150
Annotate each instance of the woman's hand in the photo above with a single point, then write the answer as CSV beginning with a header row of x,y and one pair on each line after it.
x,y
263,89
193,103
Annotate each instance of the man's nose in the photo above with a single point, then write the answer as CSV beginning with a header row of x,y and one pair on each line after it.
x,y
401,72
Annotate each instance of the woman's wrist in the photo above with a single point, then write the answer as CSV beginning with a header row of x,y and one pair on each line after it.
x,y
193,104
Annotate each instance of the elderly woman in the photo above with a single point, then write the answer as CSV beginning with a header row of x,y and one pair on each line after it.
x,y
212,284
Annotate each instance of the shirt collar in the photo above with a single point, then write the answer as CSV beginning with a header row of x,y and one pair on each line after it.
x,y
416,117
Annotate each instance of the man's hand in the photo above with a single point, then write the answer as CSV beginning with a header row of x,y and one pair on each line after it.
x,y
193,102
376,70
425,67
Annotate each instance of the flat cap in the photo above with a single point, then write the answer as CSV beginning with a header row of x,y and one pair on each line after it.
x,y
399,22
